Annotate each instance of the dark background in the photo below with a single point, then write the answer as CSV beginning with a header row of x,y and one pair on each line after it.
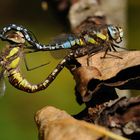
x,y
17,108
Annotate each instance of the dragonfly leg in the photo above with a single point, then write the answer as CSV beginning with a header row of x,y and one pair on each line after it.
x,y
89,56
107,49
114,49
89,61
106,52
114,56
92,52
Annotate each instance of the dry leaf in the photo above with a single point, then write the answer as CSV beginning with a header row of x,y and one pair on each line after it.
x,y
55,124
111,72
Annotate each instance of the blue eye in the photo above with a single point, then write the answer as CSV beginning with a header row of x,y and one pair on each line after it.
x,y
113,31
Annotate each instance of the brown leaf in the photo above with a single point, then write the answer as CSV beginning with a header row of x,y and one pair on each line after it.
x,y
110,66
117,69
54,124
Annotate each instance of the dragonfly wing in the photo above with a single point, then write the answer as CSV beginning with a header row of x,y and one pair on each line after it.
x,y
2,84
60,39
59,54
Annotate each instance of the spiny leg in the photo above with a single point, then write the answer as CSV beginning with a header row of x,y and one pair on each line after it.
x,y
105,53
114,49
88,58
107,49
114,56
93,51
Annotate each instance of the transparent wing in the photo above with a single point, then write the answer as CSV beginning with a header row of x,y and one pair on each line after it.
x,y
59,53
62,38
2,84
59,40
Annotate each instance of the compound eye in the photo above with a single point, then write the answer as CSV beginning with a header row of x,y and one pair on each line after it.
x,y
113,31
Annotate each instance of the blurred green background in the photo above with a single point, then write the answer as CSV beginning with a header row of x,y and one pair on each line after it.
x,y
17,108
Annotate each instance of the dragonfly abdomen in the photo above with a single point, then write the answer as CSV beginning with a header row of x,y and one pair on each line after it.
x,y
18,81
10,61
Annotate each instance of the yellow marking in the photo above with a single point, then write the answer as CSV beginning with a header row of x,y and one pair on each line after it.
x,y
18,77
12,52
91,40
24,83
13,72
14,63
34,87
29,86
81,42
45,83
102,36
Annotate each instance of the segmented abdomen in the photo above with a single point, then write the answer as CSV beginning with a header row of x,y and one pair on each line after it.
x,y
11,63
18,81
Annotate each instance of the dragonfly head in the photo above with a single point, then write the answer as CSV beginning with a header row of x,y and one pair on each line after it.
x,y
116,33
16,37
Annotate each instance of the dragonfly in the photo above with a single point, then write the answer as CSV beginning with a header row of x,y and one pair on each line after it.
x,y
94,41
107,35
